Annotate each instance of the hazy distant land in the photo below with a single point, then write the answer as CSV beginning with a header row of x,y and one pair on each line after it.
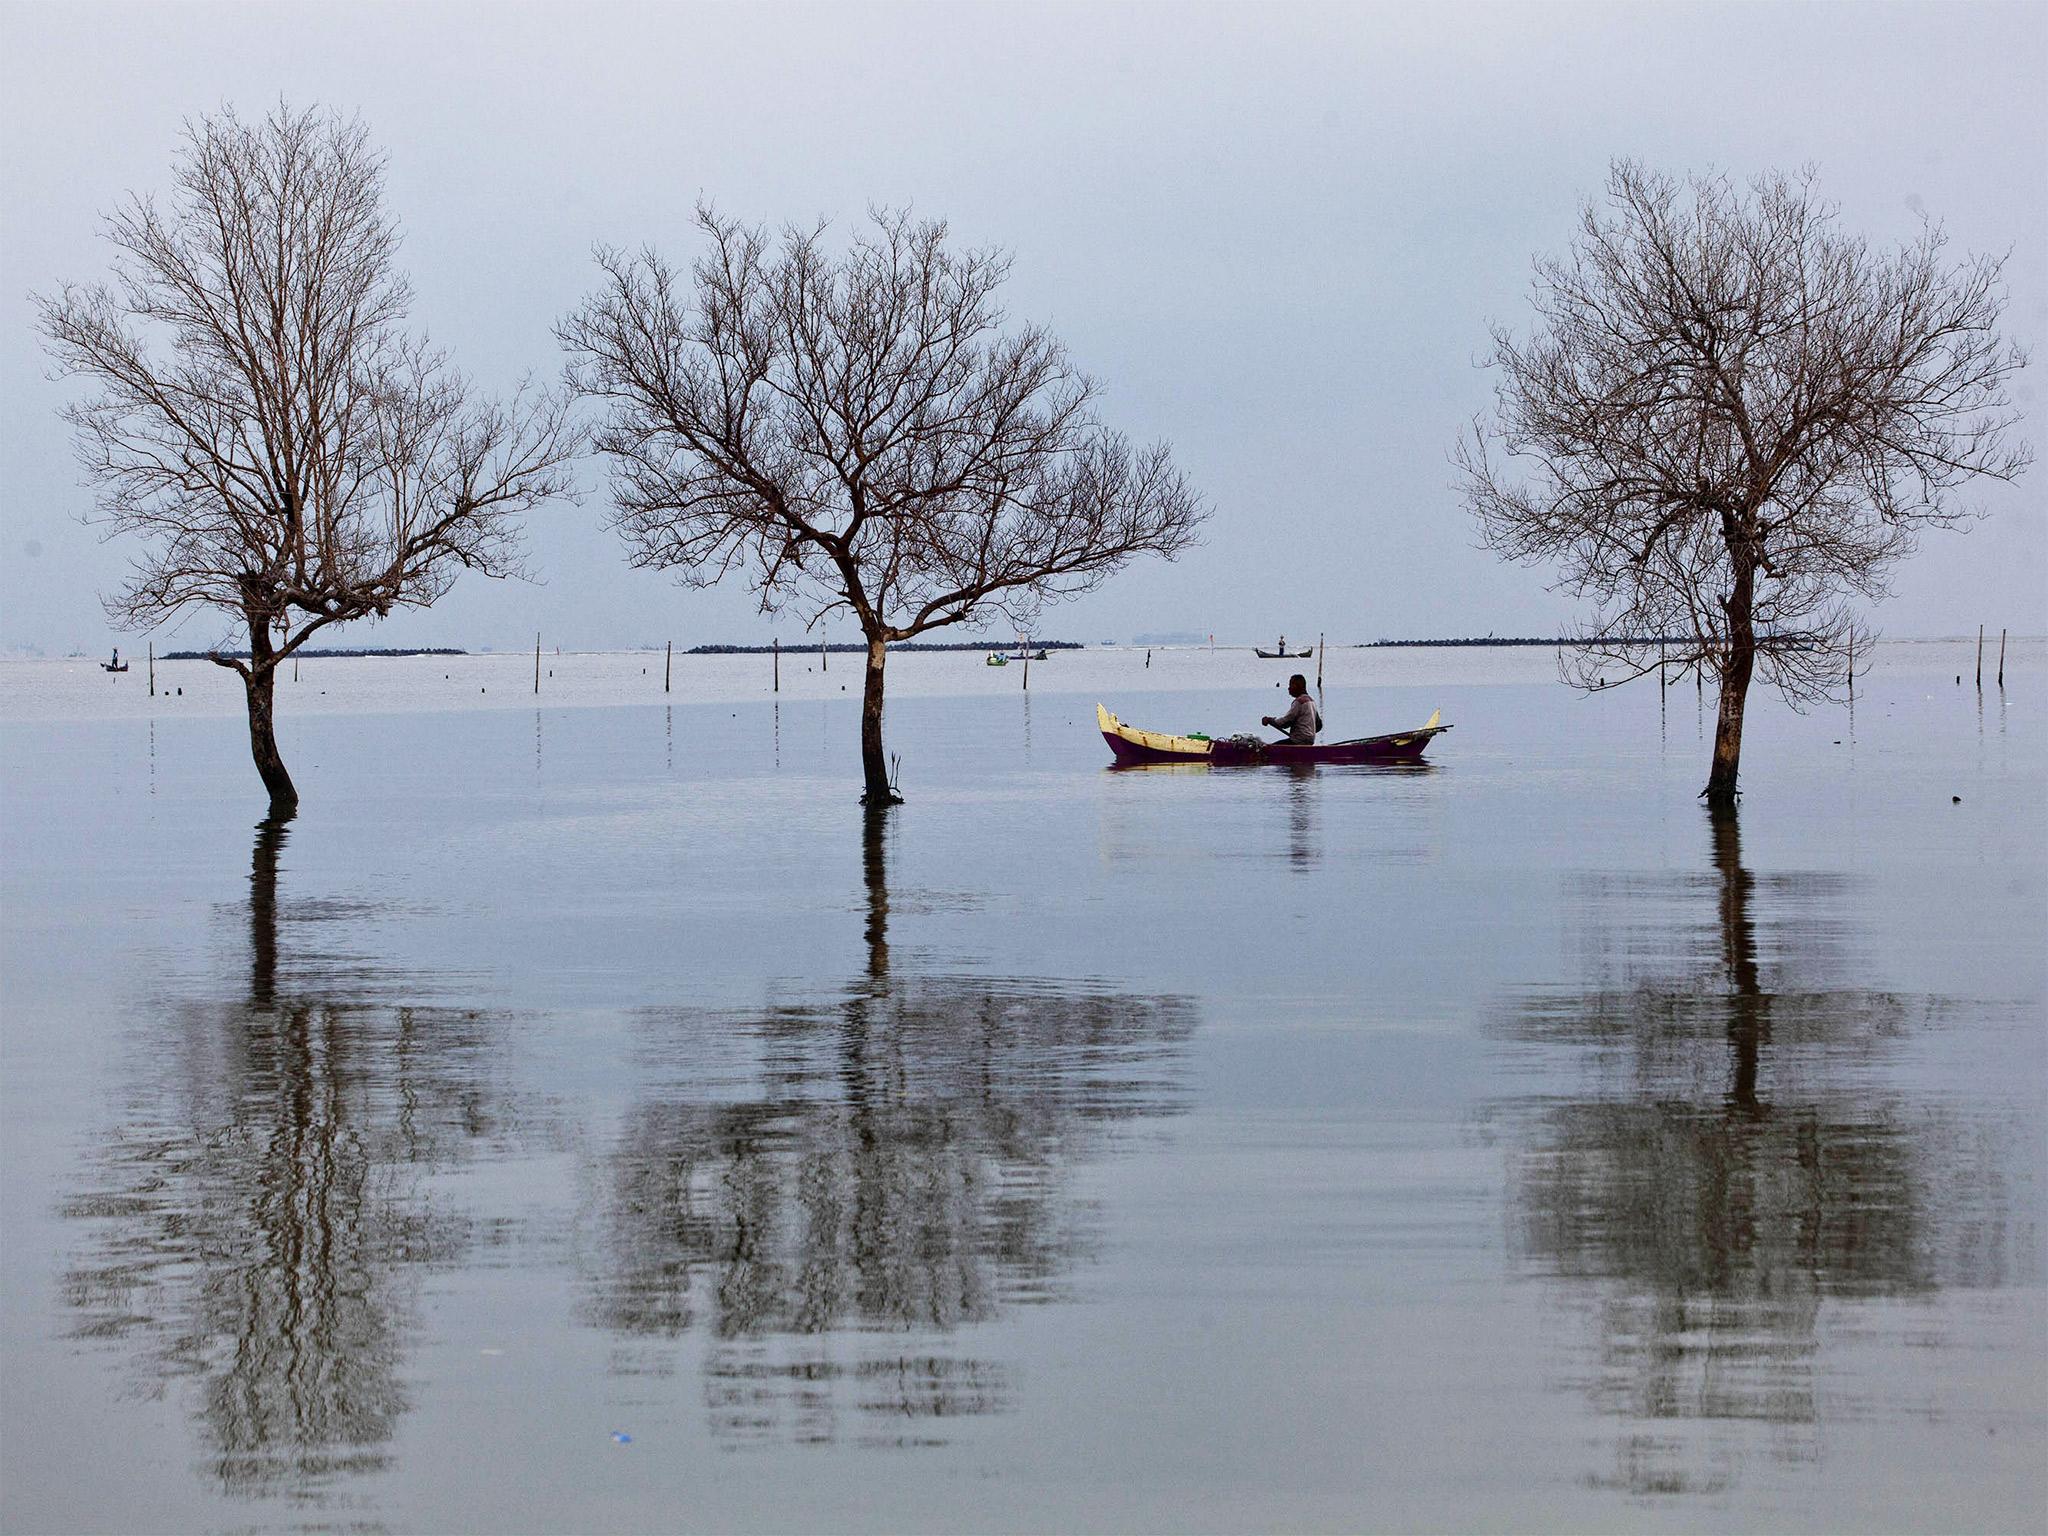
x,y
840,647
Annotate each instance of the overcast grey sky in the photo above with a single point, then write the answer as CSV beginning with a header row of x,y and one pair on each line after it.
x,y
1277,233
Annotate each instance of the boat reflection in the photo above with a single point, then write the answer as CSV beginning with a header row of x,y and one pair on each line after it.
x,y
1730,1158
1303,846
254,1221
1420,766
869,1179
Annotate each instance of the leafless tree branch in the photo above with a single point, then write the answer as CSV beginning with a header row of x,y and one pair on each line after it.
x,y
860,430
262,422
1730,422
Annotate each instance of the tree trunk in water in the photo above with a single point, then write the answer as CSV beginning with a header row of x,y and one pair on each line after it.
x,y
1735,674
874,768
261,686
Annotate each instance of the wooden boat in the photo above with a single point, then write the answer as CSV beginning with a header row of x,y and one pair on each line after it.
x,y
1132,746
1027,656
113,666
1281,653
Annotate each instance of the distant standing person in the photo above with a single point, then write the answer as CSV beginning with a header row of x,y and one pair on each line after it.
x,y
1300,720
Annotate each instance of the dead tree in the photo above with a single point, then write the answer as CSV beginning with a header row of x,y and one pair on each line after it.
x,y
859,431
1730,422
262,420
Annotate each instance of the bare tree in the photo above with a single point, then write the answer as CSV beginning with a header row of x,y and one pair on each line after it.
x,y
858,432
1735,418
288,452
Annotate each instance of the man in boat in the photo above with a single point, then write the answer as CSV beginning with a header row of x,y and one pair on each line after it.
x,y
1300,719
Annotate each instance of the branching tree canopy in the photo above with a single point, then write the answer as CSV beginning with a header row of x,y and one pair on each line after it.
x,y
860,432
1731,420
286,450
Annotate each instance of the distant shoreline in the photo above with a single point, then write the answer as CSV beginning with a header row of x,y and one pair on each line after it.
x,y
1371,645
344,654
860,647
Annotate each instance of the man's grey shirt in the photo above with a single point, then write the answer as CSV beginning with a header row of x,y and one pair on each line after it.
x,y
1300,721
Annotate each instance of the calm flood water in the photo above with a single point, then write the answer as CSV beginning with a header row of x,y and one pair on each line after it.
x,y
584,1117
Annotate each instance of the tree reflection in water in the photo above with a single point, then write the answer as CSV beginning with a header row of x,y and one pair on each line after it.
x,y
255,1214
883,1169
1739,1161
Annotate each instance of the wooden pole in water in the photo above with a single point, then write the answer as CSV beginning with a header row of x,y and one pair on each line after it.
x,y
668,665
776,647
1027,668
2001,658
536,661
1662,681
1319,671
1980,657
1852,669
823,664
152,669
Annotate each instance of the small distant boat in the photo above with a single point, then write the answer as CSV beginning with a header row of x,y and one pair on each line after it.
x,y
116,665
1281,653
1131,746
1038,655
997,660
